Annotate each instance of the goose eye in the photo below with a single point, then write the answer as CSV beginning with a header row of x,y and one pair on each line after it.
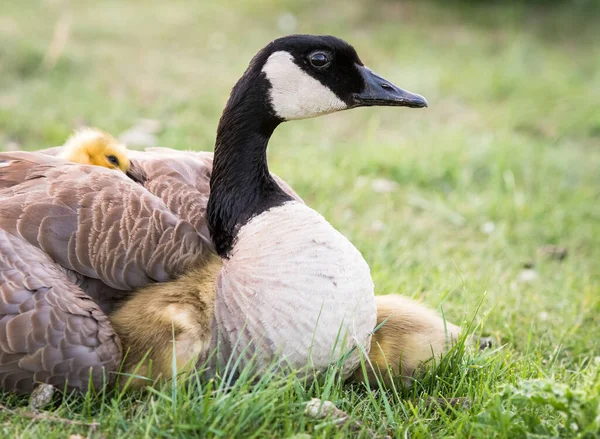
x,y
319,59
113,160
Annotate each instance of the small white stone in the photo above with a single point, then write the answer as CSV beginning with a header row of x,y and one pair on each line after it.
x,y
319,409
543,316
41,396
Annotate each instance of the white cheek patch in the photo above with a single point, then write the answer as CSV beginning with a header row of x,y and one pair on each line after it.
x,y
295,94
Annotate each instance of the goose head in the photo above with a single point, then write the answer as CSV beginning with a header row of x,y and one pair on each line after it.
x,y
310,76
91,146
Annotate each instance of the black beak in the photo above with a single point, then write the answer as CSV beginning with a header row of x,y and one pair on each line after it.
x,y
136,174
381,92
132,176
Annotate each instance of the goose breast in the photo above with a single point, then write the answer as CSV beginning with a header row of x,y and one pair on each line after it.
x,y
294,291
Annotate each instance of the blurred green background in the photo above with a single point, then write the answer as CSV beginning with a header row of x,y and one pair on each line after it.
x,y
447,204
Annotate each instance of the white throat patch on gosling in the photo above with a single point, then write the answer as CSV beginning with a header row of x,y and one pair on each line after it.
x,y
294,290
294,93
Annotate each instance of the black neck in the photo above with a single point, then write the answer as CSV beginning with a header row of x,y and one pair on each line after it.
x,y
241,186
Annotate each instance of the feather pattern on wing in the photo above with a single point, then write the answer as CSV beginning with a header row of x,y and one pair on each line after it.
x,y
50,330
96,222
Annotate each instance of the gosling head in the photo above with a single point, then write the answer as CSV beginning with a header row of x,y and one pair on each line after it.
x,y
309,76
92,146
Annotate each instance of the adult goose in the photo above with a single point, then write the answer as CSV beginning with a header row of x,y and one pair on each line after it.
x,y
76,240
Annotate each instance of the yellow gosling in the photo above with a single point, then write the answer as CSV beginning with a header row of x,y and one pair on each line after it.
x,y
91,146
410,335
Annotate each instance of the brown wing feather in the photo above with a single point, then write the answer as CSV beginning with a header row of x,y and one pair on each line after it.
x,y
96,222
181,181
50,330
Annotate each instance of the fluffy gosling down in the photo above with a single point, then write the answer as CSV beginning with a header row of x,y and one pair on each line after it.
x,y
91,146
167,321
408,335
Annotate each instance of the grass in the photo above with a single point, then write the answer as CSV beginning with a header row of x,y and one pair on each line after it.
x,y
504,161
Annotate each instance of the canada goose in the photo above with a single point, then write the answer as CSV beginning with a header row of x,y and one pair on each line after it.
x,y
290,287
91,146
408,334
